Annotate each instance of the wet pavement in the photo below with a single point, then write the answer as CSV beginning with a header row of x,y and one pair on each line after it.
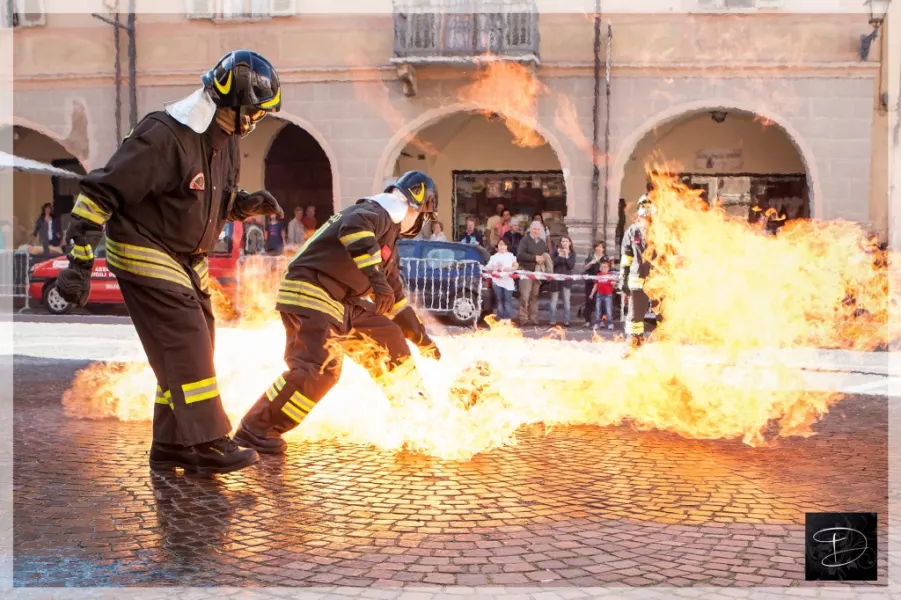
x,y
574,506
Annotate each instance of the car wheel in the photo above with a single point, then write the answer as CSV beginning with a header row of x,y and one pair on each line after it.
x,y
55,303
465,310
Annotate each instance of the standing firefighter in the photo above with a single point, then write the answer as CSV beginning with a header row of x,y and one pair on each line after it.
x,y
634,269
164,198
321,301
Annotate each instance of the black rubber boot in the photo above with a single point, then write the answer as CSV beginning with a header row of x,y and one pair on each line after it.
x,y
166,457
262,444
222,456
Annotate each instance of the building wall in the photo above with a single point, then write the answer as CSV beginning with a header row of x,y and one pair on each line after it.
x,y
800,71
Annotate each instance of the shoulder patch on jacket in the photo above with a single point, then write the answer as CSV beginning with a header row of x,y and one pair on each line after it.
x,y
198,182
386,253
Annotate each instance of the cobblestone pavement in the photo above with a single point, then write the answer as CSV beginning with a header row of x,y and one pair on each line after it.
x,y
579,506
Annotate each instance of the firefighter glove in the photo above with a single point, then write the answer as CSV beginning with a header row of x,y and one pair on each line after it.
x,y
260,203
430,350
383,295
414,331
74,282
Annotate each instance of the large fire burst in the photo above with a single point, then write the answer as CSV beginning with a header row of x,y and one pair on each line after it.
x,y
726,290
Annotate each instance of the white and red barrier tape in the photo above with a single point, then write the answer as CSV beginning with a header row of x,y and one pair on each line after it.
x,y
546,276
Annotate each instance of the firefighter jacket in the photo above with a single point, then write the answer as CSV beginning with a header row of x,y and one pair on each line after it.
x,y
334,266
633,259
164,197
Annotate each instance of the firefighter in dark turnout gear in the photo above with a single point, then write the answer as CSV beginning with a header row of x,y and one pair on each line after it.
x,y
164,197
634,269
321,300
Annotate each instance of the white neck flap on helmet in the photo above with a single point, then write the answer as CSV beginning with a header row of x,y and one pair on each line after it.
x,y
395,204
195,111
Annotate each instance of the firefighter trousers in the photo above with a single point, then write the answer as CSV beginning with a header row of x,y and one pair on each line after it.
x,y
177,331
314,351
639,303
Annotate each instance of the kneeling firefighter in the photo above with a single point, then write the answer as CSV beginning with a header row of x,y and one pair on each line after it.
x,y
634,269
322,299
164,198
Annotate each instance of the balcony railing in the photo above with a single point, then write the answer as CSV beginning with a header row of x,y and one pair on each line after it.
x,y
439,37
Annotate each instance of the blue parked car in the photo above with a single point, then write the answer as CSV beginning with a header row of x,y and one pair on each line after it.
x,y
445,278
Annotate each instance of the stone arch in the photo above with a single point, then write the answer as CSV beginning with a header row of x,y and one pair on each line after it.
x,y
50,134
323,143
681,111
409,131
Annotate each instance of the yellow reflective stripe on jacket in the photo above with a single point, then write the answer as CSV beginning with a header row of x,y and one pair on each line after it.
x,y
626,261
636,327
197,391
367,260
350,238
275,388
398,306
164,397
305,301
636,283
146,262
82,252
308,289
89,210
202,269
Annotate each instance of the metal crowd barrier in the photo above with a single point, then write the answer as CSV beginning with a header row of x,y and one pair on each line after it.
x,y
15,274
445,287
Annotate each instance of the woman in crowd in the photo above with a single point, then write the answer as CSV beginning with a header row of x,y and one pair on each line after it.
x,y
438,234
503,262
564,259
46,228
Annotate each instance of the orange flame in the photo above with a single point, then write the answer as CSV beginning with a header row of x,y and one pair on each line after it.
x,y
510,90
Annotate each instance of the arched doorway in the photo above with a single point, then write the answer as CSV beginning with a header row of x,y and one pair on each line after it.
x,y
745,163
298,173
477,165
33,190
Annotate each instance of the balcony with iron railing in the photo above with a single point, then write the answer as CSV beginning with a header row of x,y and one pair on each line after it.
x,y
461,32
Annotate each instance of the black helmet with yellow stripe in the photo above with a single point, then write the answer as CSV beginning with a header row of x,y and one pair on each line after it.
x,y
246,82
421,194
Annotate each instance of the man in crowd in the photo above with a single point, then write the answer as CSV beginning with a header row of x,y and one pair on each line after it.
x,y
296,230
164,198
309,220
321,301
275,236
491,226
472,236
529,255
634,269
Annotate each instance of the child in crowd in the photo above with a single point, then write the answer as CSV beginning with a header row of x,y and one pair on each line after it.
x,y
603,296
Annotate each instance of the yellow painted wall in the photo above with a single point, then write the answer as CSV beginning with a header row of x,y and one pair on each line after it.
x,y
765,149
479,145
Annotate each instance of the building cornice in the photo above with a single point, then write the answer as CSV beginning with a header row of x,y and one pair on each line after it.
x,y
340,74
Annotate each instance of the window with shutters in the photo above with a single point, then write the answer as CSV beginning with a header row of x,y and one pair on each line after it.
x,y
240,10
24,13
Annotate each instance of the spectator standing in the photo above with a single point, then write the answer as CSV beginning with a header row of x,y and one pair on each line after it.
x,y
529,255
275,236
491,226
296,230
472,236
564,259
592,267
513,236
504,262
46,229
438,234
309,220
602,292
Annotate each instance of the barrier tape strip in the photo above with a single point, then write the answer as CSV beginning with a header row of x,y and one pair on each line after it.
x,y
546,276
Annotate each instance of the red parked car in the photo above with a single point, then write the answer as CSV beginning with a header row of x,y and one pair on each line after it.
x,y
105,288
